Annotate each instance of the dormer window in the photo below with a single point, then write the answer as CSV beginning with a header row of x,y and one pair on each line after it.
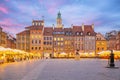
x,y
77,33
81,33
33,23
36,23
39,24
88,33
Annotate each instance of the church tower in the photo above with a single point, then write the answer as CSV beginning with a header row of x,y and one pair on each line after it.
x,y
59,20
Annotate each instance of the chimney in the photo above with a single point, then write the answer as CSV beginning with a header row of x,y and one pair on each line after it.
x,y
93,26
82,26
62,25
53,26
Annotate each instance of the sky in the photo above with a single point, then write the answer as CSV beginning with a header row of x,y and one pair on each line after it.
x,y
15,15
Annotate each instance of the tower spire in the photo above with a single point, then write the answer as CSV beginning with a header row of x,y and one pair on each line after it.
x,y
59,20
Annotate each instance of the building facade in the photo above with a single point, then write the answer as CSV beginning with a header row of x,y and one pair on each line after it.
x,y
101,43
31,39
23,40
78,36
89,38
7,40
48,42
3,38
118,41
69,42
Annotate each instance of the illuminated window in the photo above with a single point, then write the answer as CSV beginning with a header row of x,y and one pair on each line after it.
x,y
81,33
58,39
54,39
39,24
77,33
33,24
42,24
36,23
88,33
58,43
61,44
65,42
61,39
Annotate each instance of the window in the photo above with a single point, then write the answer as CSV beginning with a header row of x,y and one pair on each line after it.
x,y
54,39
58,39
36,41
88,33
98,49
61,39
35,48
50,38
102,48
44,38
47,38
61,44
39,48
33,24
32,41
44,43
58,43
81,33
39,24
39,41
36,23
77,33
32,48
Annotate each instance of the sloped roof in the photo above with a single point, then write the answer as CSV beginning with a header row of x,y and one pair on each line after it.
x,y
77,29
58,30
34,27
48,31
23,32
88,28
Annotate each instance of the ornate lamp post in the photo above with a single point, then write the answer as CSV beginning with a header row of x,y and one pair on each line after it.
x,y
112,59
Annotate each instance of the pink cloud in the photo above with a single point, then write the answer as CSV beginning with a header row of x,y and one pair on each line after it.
x,y
9,25
3,9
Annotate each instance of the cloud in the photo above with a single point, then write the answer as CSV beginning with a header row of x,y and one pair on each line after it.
x,y
3,9
9,25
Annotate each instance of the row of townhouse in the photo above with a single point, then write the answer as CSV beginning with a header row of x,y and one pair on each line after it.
x,y
58,40
55,41
113,40
6,40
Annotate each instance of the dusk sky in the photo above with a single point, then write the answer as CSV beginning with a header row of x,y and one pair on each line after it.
x,y
17,14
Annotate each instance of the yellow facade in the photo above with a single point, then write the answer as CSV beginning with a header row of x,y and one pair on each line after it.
x,y
101,45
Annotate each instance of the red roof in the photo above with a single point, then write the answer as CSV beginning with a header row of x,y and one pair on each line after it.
x,y
77,29
38,21
24,32
58,30
67,29
34,27
48,31
89,29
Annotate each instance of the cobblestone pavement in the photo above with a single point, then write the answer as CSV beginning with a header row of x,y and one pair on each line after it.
x,y
59,69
